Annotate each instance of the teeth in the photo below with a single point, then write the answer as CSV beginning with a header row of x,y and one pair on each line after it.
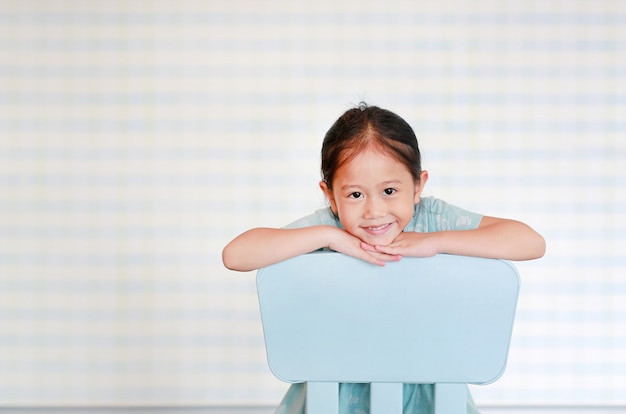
x,y
379,227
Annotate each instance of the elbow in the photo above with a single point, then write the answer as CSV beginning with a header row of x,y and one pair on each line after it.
x,y
537,247
541,246
233,259
228,259
533,244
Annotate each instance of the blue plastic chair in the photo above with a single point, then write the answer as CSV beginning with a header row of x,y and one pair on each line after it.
x,y
444,320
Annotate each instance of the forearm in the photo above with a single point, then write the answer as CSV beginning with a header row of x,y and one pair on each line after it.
x,y
261,247
494,238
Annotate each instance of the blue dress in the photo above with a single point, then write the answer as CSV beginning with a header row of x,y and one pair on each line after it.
x,y
430,215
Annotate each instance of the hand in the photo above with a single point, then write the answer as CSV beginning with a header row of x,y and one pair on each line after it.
x,y
494,238
407,244
346,243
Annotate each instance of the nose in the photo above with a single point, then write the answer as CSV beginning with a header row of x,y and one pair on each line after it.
x,y
374,208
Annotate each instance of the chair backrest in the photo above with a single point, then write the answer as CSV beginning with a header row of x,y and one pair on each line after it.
x,y
329,318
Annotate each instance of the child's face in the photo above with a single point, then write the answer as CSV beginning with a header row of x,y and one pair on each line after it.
x,y
374,196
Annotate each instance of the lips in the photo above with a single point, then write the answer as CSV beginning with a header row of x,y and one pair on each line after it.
x,y
377,230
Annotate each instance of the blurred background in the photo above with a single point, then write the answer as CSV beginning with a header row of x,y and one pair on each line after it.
x,y
138,137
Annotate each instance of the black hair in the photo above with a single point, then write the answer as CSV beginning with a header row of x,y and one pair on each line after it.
x,y
369,127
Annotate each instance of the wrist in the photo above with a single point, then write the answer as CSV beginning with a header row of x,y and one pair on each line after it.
x,y
330,236
438,241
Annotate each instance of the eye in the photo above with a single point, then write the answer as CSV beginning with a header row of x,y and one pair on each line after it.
x,y
389,191
355,194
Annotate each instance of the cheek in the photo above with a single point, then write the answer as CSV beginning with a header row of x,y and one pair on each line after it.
x,y
408,212
348,216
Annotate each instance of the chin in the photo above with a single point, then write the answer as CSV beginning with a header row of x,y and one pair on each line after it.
x,y
379,241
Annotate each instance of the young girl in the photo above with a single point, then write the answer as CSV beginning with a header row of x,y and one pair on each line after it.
x,y
373,180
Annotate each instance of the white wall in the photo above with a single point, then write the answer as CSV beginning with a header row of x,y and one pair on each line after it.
x,y
137,138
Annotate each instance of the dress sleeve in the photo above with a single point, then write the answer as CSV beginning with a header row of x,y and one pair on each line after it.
x,y
442,216
318,218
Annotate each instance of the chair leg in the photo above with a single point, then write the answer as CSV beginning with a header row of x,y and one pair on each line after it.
x,y
450,398
322,398
386,398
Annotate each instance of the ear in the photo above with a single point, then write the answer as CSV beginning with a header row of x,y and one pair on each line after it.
x,y
419,186
329,195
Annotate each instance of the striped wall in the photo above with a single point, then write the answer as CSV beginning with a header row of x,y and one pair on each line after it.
x,y
138,137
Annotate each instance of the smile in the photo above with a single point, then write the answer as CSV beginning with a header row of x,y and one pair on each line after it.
x,y
378,229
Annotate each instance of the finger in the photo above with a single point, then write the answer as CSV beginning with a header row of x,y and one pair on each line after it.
x,y
386,256
386,250
374,260
380,258
367,247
